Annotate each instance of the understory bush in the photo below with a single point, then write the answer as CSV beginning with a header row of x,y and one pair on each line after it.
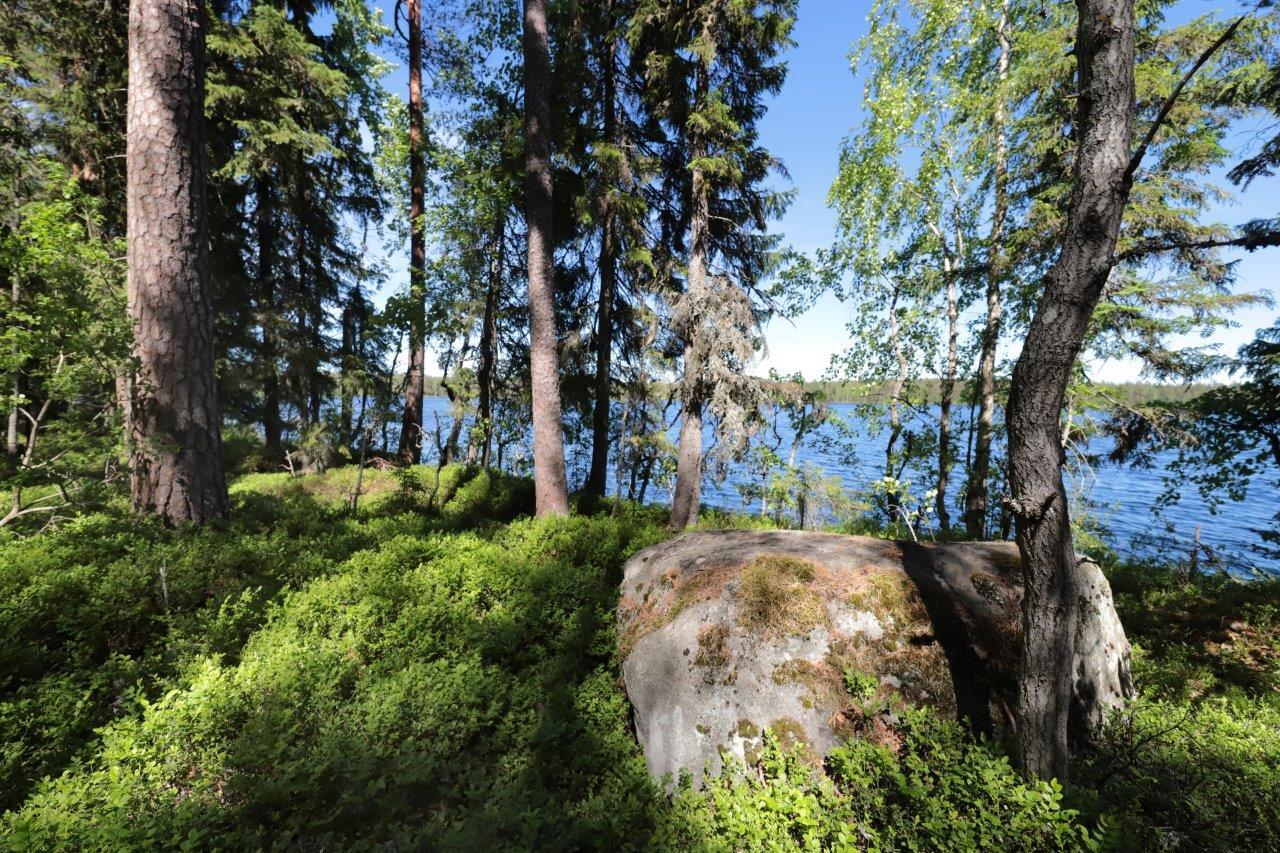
x,y
427,672
1193,763
937,790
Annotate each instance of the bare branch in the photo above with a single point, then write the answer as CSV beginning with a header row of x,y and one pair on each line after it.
x,y
1258,237
1141,151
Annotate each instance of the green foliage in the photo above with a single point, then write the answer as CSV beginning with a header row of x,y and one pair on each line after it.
x,y
937,790
104,608
63,339
861,685
1191,764
400,676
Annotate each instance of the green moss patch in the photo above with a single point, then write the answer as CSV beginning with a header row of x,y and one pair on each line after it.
x,y
714,654
775,598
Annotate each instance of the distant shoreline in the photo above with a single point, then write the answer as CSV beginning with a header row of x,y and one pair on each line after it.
x,y
928,390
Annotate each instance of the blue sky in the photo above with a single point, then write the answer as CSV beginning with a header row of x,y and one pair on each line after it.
x,y
819,105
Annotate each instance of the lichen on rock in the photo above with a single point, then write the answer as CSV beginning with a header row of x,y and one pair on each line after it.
x,y
819,637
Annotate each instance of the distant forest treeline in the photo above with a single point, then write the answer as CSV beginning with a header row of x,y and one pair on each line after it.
x,y
1123,393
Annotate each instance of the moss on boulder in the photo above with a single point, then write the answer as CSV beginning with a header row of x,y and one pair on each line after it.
x,y
820,637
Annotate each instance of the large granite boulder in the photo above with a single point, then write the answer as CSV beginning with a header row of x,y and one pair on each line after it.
x,y
819,637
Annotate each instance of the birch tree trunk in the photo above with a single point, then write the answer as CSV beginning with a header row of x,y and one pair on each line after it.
x,y
175,423
975,510
948,387
551,491
410,451
893,499
11,431
1101,182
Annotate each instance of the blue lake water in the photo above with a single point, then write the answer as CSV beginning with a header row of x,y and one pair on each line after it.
x,y
1122,499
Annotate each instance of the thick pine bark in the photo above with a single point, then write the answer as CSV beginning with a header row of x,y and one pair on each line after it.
x,y
975,510
175,425
598,472
551,491
410,452
1051,603
272,422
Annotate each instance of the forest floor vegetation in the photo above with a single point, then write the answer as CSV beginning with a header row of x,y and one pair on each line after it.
x,y
435,669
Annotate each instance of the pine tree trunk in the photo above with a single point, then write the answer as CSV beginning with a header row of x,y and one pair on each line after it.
x,y
410,452
1051,575
604,314
551,492
177,443
319,381
301,364
975,510
272,422
449,451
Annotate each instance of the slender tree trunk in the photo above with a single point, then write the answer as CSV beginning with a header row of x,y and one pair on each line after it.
x,y
319,382
124,400
449,451
301,366
551,491
415,377
604,314
11,448
177,441
947,393
685,499
1101,182
11,433
345,391
893,500
489,342
272,423
975,510
645,477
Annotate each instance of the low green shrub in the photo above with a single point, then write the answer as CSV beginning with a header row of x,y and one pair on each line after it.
x,y
107,607
1192,763
421,674
935,790
1187,775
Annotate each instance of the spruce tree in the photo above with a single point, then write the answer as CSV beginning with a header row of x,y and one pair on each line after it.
x,y
709,68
